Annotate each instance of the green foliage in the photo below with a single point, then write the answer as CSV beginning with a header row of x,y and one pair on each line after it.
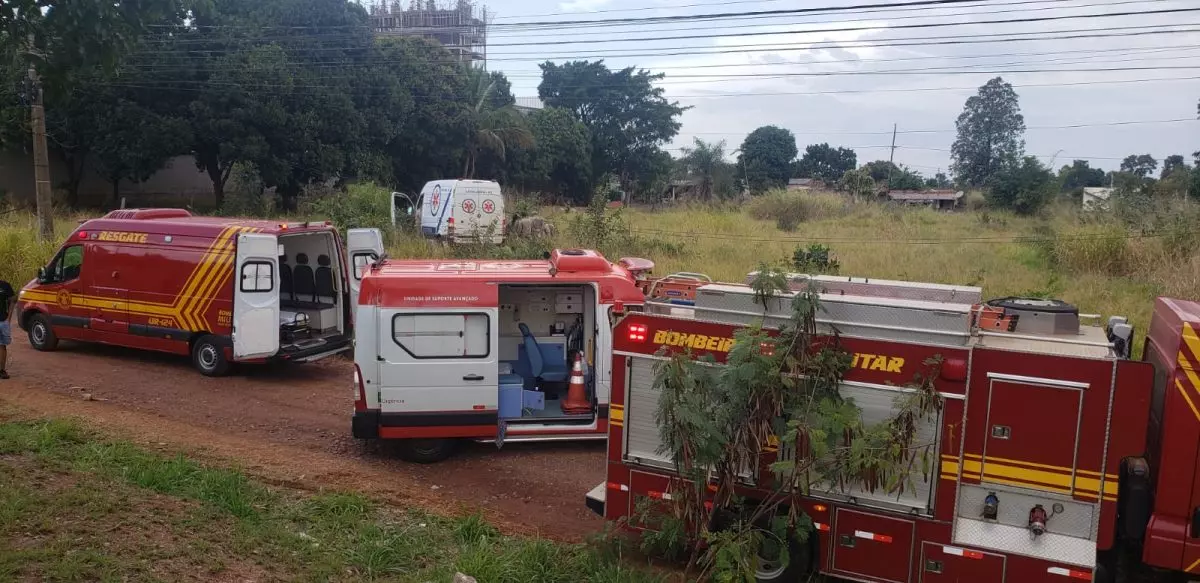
x,y
715,421
906,179
815,259
1171,164
990,131
767,155
938,180
1024,188
1078,175
824,162
1141,166
499,127
790,209
705,163
858,183
360,206
628,116
247,197
560,159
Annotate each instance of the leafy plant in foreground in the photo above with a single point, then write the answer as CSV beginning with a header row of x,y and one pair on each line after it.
x,y
777,387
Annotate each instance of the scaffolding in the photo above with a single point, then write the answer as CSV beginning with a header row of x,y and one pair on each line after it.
x,y
460,26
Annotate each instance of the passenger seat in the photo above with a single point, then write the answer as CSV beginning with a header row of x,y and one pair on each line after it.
x,y
285,281
325,294
304,283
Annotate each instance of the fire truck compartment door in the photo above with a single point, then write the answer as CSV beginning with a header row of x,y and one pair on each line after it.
x,y
1028,445
872,545
439,367
256,297
363,247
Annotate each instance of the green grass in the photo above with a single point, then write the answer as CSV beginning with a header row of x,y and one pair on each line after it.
x,y
75,506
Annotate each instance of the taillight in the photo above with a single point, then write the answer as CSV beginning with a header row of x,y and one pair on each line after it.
x,y
360,391
637,332
450,225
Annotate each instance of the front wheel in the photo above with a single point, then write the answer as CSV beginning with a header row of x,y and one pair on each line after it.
x,y
208,356
779,560
41,335
426,451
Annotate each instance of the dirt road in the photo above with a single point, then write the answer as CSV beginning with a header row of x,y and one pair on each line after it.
x,y
292,424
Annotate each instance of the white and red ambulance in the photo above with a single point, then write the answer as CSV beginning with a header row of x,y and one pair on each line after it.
x,y
482,350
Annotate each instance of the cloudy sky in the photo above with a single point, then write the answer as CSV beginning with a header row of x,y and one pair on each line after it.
x,y
791,70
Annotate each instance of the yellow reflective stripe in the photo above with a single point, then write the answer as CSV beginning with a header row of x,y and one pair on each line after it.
x,y
1014,475
1036,465
1191,341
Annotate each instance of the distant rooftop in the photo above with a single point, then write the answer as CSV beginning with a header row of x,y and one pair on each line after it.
x,y
915,195
529,103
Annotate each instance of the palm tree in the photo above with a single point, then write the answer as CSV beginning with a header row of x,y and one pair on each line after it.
x,y
496,128
703,161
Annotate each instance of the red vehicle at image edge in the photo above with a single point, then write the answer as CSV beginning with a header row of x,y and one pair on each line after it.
x,y
217,289
1054,449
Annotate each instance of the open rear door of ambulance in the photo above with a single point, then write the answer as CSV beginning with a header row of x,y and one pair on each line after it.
x,y
256,297
363,247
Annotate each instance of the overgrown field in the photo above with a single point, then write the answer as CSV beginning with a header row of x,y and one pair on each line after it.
x,y
1112,263
77,506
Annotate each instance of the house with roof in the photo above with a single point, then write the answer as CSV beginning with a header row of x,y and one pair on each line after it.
x,y
938,199
803,184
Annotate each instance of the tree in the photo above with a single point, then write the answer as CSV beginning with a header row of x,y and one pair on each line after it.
x,y
906,179
767,155
560,157
826,163
1025,188
858,183
1080,174
498,124
881,170
705,162
625,113
938,180
137,143
1141,166
990,131
1171,163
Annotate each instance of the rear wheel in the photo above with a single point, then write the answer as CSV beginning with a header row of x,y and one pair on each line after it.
x,y
208,356
41,335
426,451
779,558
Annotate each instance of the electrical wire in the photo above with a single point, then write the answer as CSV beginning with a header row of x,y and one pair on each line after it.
x,y
691,235
950,131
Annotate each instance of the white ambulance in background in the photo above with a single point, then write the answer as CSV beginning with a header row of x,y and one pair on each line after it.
x,y
462,211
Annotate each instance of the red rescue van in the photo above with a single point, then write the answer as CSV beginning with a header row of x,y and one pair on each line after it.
x,y
483,350
220,290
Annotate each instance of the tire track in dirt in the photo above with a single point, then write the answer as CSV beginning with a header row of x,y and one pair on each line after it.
x,y
290,425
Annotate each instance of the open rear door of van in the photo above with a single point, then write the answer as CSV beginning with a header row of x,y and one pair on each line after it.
x,y
256,297
363,247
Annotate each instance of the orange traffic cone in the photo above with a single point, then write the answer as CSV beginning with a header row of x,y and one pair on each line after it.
x,y
577,402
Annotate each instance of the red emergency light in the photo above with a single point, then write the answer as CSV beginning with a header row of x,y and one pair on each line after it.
x,y
637,332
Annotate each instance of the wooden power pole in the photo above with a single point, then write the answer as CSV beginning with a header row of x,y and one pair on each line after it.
x,y
41,159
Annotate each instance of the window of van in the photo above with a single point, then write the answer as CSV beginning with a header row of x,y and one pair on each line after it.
x,y
258,276
67,265
443,335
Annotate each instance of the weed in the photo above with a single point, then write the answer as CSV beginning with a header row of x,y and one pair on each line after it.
x,y
789,209
472,530
816,259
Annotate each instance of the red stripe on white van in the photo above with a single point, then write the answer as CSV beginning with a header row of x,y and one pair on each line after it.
x,y
962,552
881,538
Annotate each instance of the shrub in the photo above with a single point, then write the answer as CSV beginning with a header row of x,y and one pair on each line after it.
x,y
1092,249
816,259
245,195
360,206
1025,187
789,210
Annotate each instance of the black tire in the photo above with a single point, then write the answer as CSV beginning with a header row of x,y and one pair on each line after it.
x,y
426,451
799,564
41,334
208,356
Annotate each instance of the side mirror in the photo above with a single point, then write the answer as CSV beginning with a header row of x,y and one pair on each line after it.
x,y
41,276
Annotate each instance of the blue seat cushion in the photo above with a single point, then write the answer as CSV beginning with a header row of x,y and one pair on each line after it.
x,y
556,376
512,379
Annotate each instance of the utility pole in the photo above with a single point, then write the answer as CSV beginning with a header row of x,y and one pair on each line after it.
x,y
891,157
41,158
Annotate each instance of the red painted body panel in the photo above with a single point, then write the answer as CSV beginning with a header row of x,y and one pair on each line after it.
x,y
1173,347
872,546
952,564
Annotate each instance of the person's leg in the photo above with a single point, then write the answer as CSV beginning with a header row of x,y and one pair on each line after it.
x,y
5,339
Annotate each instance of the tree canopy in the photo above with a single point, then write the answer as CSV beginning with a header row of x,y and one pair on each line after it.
x,y
1080,174
1024,188
1140,165
990,131
826,163
767,155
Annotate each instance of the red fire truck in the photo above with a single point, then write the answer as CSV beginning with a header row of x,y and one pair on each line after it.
x,y
1054,448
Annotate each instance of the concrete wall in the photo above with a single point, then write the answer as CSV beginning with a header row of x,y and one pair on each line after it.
x,y
178,184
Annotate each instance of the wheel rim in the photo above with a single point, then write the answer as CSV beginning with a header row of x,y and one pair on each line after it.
x,y
39,333
772,562
208,357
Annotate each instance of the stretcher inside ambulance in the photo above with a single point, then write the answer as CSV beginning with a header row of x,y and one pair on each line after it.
x,y
486,350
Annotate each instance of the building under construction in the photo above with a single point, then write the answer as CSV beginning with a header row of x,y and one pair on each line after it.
x,y
459,25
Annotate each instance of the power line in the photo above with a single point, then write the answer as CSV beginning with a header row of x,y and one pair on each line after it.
x,y
948,131
1027,20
